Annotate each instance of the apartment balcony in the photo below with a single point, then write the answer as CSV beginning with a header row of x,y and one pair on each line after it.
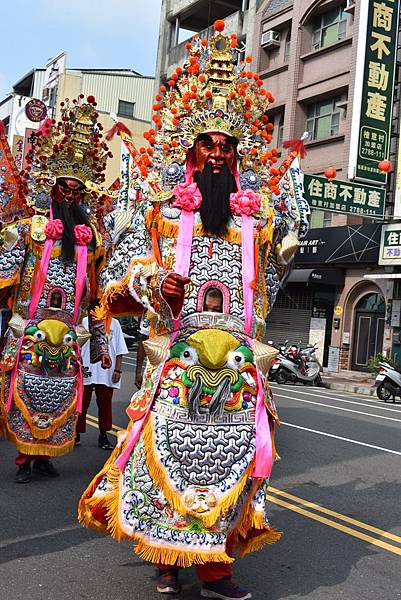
x,y
196,15
177,54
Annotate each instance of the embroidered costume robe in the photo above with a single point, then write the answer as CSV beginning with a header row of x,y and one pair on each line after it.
x,y
186,482
41,379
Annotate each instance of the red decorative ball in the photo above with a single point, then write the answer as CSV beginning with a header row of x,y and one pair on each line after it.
x,y
385,166
91,99
330,173
219,25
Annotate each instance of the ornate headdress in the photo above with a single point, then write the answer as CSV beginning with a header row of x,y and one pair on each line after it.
x,y
211,92
71,147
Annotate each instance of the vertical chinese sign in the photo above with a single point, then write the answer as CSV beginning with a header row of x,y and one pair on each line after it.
x,y
372,118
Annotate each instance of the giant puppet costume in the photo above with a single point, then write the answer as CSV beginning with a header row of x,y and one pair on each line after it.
x,y
49,260
187,482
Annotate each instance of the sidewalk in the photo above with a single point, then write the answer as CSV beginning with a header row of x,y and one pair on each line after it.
x,y
353,382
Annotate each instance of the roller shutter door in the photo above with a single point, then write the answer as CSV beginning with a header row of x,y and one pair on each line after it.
x,y
290,317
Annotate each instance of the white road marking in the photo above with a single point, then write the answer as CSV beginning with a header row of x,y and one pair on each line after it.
x,y
358,412
372,402
343,439
36,536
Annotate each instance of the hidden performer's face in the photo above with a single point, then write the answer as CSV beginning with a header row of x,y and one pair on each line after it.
x,y
216,149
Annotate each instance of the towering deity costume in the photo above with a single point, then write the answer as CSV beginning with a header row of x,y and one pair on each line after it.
x,y
187,481
49,260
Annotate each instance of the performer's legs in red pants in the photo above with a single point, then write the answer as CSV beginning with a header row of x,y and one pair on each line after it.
x,y
104,395
211,571
23,459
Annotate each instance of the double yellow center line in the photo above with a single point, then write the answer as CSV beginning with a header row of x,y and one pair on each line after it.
x,y
93,421
317,512
330,518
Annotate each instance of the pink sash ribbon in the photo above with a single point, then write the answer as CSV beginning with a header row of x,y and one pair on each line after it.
x,y
38,284
248,268
79,382
138,426
183,250
14,375
41,278
82,262
264,452
132,440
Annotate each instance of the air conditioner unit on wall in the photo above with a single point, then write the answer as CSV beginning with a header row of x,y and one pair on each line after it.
x,y
270,39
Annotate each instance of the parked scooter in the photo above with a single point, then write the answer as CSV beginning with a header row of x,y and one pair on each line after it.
x,y
298,365
388,382
282,349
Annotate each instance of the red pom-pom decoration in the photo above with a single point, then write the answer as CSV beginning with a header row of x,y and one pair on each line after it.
x,y
219,25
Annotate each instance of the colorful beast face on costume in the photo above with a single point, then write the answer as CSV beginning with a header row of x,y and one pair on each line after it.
x,y
49,345
211,371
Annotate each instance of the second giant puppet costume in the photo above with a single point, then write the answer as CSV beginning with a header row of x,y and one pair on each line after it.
x,y
188,479
49,261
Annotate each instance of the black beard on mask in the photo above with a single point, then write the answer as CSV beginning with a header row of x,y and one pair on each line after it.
x,y
70,216
215,189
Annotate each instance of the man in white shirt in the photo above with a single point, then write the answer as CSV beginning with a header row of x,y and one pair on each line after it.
x,y
103,382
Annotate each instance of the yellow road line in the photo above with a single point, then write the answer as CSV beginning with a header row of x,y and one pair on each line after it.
x,y
93,421
338,526
332,513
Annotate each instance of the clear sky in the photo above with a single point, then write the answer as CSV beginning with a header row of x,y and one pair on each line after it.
x,y
94,33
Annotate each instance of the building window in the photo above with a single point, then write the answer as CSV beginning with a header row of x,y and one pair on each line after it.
x,y
323,118
287,48
6,125
53,97
319,219
241,50
330,27
280,131
326,218
126,109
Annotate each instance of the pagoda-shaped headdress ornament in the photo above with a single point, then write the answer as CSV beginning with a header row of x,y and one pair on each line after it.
x,y
212,91
70,147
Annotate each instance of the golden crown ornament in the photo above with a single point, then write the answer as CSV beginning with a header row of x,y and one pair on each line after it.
x,y
71,147
212,92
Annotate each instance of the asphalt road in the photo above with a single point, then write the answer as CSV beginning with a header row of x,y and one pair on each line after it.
x,y
335,494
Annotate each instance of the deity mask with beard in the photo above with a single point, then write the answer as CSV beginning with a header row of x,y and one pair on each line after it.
x,y
214,158
67,195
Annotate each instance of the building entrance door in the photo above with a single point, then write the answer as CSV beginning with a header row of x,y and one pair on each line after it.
x,y
368,330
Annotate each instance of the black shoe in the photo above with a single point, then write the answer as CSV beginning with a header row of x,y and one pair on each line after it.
x,y
104,442
77,440
224,589
167,581
45,467
24,473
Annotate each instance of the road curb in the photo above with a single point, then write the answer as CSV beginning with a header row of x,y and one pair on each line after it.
x,y
366,390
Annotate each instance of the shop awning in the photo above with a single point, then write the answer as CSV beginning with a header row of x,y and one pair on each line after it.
x,y
324,276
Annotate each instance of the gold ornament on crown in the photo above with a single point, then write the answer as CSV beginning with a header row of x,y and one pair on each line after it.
x,y
71,147
212,92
